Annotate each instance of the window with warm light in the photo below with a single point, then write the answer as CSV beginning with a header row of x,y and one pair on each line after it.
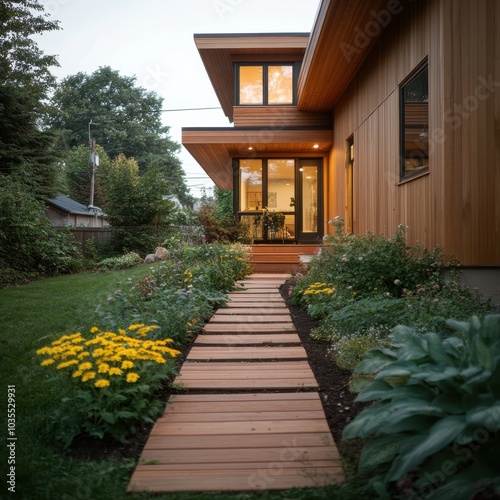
x,y
266,84
414,98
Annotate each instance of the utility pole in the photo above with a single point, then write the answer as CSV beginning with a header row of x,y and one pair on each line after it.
x,y
94,162
92,166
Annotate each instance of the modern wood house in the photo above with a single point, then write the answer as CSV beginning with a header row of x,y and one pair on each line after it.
x,y
387,113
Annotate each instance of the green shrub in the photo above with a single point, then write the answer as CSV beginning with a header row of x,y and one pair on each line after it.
x,y
179,294
130,259
434,430
28,241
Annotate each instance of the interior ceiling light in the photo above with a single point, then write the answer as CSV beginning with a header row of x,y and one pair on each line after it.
x,y
250,148
316,146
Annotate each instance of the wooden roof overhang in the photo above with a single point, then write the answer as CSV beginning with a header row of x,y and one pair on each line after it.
x,y
214,148
219,52
344,32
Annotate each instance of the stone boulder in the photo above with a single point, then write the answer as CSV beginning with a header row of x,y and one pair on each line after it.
x,y
160,254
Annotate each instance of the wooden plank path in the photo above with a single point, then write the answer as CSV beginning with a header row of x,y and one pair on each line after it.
x,y
266,431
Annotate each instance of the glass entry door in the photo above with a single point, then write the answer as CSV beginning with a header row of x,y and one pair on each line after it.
x,y
310,200
281,192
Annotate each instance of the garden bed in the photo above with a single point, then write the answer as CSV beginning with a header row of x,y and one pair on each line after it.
x,y
338,401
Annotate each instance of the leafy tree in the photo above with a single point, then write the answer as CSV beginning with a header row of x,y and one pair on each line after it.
x,y
123,118
25,80
22,63
135,206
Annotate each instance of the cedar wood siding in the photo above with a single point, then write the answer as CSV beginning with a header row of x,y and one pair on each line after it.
x,y
457,205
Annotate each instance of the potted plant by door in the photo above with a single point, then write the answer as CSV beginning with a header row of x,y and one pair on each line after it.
x,y
273,223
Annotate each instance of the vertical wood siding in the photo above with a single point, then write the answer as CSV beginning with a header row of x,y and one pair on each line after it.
x,y
457,205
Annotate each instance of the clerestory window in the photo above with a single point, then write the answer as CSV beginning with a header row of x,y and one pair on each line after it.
x,y
268,84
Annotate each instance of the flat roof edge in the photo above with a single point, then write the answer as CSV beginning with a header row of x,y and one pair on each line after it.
x,y
249,35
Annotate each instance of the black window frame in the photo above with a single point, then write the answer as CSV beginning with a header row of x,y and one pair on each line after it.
x,y
265,91
404,175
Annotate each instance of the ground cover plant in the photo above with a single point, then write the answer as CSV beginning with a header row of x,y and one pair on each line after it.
x,y
432,386
360,287
433,432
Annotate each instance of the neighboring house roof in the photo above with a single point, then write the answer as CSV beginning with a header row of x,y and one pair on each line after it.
x,y
66,204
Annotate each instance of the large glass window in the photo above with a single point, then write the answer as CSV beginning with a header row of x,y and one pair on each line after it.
x,y
414,96
265,84
250,185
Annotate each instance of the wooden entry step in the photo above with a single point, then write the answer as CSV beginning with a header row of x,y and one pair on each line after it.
x,y
269,258
240,442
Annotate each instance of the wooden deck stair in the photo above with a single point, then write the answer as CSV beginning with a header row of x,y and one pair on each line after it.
x,y
252,418
284,258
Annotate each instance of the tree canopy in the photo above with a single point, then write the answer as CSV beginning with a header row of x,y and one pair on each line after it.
x,y
25,81
123,118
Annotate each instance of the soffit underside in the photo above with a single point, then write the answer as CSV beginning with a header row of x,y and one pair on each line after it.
x,y
344,33
215,148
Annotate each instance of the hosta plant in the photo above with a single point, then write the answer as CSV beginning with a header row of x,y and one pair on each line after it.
x,y
115,377
433,431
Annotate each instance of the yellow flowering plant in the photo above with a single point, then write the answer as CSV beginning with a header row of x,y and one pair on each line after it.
x,y
116,375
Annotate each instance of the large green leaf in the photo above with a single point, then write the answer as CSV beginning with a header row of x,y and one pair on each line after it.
x,y
377,451
481,353
397,369
381,416
380,389
374,362
412,345
456,488
436,349
485,417
434,373
108,417
440,435
450,402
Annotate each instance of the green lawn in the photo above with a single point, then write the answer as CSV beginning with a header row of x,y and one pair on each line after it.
x,y
32,316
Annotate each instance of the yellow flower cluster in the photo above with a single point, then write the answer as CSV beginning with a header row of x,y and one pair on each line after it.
x,y
188,276
318,288
108,356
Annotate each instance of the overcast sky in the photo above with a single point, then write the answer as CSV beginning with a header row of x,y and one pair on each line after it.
x,y
153,40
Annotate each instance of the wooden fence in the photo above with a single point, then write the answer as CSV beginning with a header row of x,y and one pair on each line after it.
x,y
83,234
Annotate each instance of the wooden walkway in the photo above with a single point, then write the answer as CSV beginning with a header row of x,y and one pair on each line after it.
x,y
251,418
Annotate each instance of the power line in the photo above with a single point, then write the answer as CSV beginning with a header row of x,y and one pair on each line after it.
x,y
188,109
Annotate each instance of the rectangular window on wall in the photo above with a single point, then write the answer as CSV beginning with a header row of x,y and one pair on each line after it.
x,y
266,84
414,102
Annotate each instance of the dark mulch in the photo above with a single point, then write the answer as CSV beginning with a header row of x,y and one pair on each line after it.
x,y
338,401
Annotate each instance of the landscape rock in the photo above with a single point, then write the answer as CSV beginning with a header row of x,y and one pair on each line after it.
x,y
161,253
